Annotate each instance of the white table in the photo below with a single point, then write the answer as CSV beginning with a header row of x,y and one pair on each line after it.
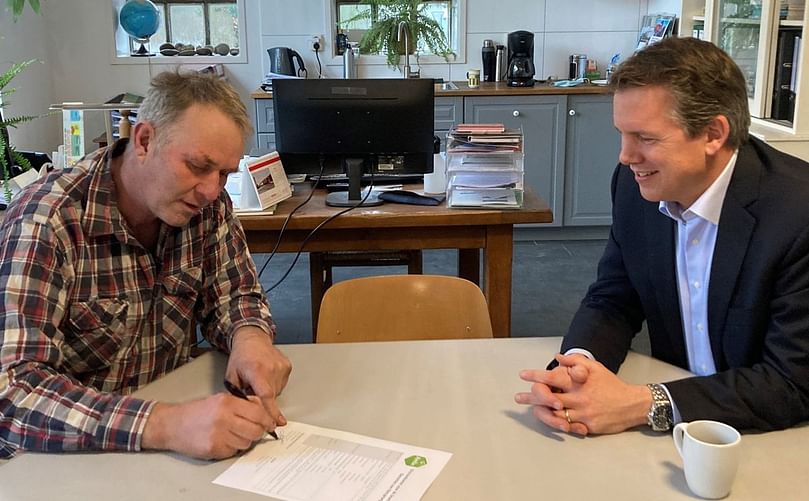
x,y
451,395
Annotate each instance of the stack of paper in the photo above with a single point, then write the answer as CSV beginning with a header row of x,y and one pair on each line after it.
x,y
484,166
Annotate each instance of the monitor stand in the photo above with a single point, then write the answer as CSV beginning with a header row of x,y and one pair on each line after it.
x,y
353,197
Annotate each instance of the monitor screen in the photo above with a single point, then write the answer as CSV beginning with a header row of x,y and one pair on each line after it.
x,y
380,126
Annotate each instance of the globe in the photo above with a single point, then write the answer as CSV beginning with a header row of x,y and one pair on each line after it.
x,y
140,19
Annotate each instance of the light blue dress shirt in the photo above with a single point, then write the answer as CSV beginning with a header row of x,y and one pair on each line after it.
x,y
697,227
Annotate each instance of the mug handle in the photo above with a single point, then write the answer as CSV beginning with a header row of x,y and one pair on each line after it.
x,y
677,435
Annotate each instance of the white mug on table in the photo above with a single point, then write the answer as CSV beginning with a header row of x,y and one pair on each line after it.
x,y
710,452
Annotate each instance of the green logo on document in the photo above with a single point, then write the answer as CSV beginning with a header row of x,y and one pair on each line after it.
x,y
416,461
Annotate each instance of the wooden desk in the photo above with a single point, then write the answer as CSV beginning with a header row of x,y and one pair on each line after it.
x,y
396,226
455,396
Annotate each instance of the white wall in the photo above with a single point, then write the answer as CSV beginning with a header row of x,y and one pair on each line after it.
x,y
75,42
19,42
598,28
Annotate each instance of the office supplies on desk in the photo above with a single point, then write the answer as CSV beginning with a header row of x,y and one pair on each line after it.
x,y
238,392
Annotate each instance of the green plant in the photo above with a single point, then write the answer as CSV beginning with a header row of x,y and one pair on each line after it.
x,y
11,161
385,17
17,6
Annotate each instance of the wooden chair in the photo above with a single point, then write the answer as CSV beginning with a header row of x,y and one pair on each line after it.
x,y
322,263
403,307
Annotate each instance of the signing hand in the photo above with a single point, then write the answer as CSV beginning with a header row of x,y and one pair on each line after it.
x,y
255,363
216,427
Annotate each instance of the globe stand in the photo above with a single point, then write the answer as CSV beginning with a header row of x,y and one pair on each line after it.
x,y
142,51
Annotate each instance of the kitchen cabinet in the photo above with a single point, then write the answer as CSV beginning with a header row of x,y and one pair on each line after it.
x,y
448,112
592,146
542,120
265,125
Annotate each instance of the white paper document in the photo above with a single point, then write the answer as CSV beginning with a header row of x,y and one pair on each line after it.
x,y
312,463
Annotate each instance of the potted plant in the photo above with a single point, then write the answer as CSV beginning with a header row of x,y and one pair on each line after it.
x,y
12,162
385,17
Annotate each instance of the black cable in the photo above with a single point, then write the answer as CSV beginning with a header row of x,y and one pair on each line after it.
x,y
316,228
317,56
289,216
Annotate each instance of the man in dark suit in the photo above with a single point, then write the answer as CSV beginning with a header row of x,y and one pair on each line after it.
x,y
709,245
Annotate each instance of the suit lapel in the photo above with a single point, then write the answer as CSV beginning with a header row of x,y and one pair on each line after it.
x,y
736,225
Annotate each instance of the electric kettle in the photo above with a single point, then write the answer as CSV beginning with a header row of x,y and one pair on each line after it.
x,y
282,62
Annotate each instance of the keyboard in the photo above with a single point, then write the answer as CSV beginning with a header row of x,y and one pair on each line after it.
x,y
379,179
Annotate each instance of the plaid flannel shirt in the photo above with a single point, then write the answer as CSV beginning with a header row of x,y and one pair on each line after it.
x,y
89,315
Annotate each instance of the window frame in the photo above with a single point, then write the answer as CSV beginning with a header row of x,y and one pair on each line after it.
x,y
121,41
457,35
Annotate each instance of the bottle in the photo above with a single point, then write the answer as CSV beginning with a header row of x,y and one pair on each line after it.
x,y
349,62
500,63
489,61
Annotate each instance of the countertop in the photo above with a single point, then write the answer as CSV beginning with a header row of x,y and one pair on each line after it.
x,y
494,89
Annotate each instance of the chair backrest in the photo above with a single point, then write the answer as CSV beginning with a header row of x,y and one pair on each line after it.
x,y
403,307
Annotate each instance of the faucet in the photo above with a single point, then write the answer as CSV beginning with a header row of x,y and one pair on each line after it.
x,y
407,73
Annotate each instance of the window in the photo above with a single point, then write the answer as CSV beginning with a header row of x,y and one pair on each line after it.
x,y
445,12
190,22
197,22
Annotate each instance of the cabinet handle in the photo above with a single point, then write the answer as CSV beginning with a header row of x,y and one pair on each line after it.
x,y
572,113
516,113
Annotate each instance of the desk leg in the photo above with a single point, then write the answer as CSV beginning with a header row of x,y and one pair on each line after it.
x,y
469,265
497,261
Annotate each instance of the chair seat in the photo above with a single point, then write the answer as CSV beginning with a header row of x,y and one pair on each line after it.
x,y
321,264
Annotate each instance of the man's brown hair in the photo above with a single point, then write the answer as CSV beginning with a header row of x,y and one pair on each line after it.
x,y
703,80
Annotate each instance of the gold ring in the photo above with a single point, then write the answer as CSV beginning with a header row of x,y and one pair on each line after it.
x,y
567,415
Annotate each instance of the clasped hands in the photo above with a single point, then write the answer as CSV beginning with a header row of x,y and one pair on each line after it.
x,y
582,396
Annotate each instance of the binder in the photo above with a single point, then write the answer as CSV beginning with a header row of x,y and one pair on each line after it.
x,y
783,105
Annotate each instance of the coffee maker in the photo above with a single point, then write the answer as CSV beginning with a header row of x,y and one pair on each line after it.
x,y
521,68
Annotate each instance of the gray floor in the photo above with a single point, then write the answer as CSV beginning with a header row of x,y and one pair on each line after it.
x,y
550,278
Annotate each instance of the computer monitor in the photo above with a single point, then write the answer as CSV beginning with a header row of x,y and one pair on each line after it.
x,y
380,126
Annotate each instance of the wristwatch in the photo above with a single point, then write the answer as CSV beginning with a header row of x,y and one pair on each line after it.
x,y
659,417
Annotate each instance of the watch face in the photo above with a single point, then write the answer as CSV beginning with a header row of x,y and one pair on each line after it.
x,y
660,420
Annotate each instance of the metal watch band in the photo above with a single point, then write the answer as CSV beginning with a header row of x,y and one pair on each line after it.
x,y
660,414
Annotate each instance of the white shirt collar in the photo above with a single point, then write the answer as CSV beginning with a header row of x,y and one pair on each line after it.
x,y
709,205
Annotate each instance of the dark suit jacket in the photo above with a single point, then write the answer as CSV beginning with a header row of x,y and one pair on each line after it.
x,y
758,304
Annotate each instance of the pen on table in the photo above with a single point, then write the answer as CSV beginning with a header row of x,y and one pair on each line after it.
x,y
238,392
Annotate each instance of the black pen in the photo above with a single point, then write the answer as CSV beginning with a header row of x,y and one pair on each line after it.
x,y
238,392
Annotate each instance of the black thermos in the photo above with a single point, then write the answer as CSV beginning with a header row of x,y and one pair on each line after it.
x,y
489,62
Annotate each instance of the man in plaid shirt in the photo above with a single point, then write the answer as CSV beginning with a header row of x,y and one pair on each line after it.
x,y
106,267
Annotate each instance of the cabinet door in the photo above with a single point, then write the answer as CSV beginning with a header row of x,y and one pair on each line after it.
x,y
266,143
542,119
592,146
744,30
448,112
265,120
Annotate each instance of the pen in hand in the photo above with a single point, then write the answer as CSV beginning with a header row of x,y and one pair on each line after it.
x,y
238,392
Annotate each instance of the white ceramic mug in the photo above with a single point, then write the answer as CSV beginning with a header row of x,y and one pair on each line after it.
x,y
473,78
710,452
